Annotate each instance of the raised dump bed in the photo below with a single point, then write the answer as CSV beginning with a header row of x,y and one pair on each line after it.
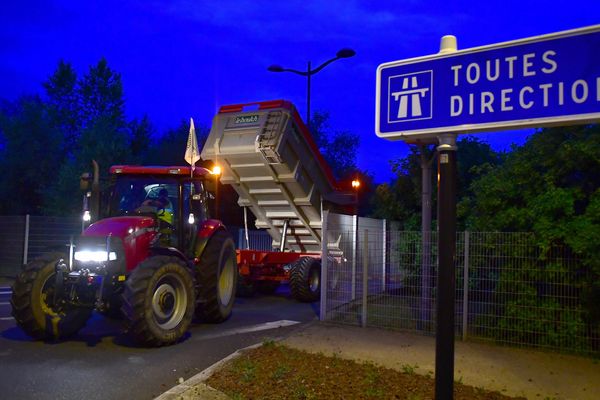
x,y
269,157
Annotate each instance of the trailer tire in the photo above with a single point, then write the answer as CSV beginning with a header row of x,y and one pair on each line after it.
x,y
33,304
305,279
217,277
158,301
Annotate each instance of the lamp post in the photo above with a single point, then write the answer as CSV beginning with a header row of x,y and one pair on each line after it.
x,y
355,187
343,53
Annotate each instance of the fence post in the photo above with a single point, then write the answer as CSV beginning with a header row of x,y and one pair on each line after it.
x,y
324,240
466,289
26,240
354,254
383,266
365,283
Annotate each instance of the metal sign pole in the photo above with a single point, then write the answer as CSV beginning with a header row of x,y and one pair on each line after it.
x,y
444,337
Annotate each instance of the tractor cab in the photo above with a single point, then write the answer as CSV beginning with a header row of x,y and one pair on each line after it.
x,y
176,200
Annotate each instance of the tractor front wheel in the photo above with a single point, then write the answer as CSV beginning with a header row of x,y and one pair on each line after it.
x,y
37,308
158,301
305,279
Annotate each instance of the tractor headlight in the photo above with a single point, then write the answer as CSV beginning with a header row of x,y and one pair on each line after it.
x,y
95,255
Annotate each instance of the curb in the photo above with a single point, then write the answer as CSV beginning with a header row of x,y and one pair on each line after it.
x,y
195,388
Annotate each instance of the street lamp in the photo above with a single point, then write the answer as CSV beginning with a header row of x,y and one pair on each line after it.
x,y
343,53
355,187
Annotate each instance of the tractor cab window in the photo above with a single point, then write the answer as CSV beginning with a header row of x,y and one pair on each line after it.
x,y
134,195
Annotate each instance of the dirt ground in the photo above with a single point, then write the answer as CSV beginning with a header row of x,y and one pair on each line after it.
x,y
532,374
276,371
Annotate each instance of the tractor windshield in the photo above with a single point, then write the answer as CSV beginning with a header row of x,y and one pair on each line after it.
x,y
134,195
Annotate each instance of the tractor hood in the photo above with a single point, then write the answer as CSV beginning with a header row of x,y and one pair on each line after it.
x,y
119,226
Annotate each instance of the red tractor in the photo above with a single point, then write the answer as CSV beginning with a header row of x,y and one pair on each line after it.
x,y
156,258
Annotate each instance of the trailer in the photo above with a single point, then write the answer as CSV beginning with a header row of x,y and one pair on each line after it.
x,y
267,154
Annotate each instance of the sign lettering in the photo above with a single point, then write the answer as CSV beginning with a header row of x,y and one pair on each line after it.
x,y
541,81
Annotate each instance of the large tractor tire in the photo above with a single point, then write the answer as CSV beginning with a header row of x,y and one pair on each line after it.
x,y
305,279
35,307
217,276
158,301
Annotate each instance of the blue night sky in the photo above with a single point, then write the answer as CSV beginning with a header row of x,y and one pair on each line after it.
x,y
185,58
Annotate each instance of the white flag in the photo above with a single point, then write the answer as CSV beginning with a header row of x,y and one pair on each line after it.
x,y
192,154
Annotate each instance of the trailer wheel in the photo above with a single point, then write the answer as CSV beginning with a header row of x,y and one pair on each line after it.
x,y
34,306
267,287
305,279
217,278
158,301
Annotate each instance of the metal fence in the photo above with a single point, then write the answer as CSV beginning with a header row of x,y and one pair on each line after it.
x,y
509,290
25,237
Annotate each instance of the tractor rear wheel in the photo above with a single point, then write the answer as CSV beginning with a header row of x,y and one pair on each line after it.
x,y
305,279
158,301
36,308
217,276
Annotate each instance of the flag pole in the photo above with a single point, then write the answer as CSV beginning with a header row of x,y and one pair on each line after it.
x,y
192,154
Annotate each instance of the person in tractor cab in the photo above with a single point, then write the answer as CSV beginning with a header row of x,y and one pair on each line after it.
x,y
161,202
164,212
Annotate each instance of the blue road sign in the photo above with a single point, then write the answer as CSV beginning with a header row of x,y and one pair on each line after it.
x,y
540,81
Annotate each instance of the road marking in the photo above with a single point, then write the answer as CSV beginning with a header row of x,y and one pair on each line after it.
x,y
6,318
247,329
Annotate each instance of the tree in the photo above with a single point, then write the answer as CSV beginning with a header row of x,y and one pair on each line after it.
x,y
544,186
400,200
169,148
63,106
140,133
29,157
550,186
104,135
100,94
339,148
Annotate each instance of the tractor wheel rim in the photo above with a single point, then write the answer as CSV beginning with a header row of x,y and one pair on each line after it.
x,y
169,302
226,280
313,280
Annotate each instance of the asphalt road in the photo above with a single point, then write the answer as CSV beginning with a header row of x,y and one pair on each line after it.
x,y
100,363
